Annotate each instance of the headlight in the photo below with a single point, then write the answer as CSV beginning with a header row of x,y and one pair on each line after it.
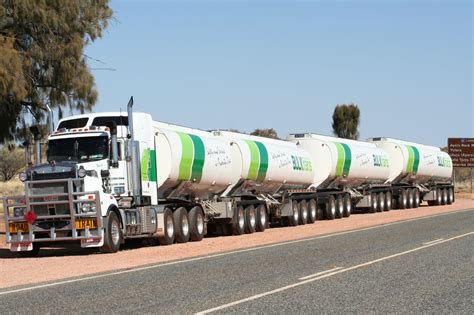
x,y
18,212
23,176
81,172
88,207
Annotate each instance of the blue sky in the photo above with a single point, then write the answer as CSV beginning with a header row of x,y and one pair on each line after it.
x,y
286,64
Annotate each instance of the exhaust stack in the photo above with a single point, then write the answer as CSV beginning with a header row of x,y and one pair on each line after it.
x,y
50,119
134,160
37,137
113,134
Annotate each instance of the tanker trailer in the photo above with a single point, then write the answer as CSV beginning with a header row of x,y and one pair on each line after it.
x,y
274,179
348,173
418,172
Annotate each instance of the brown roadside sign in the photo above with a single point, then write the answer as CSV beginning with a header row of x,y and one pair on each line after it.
x,y
461,151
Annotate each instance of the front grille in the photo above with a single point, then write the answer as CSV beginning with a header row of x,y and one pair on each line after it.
x,y
46,176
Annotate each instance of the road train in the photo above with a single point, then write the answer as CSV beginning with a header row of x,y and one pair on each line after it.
x,y
116,176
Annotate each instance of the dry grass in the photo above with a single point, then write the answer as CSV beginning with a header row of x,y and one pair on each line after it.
x,y
10,188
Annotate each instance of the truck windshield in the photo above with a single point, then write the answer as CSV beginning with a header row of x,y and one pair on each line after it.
x,y
78,149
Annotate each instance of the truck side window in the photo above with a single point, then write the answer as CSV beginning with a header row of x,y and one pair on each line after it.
x,y
120,150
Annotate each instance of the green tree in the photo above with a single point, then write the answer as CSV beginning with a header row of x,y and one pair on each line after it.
x,y
11,162
267,133
42,60
345,121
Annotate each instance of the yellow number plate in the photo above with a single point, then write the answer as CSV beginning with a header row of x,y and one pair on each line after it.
x,y
19,226
81,224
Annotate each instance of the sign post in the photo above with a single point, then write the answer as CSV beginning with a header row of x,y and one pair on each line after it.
x,y
461,151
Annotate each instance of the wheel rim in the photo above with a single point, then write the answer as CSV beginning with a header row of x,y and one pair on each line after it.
x,y
382,204
241,218
169,226
184,225
253,220
200,223
263,218
115,232
341,208
296,215
451,196
305,213
388,202
333,210
313,212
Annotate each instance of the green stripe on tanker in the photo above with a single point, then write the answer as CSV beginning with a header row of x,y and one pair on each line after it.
x,y
148,165
347,160
262,170
258,161
193,156
413,159
199,157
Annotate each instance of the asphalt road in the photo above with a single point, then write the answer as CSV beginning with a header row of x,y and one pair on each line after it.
x,y
420,266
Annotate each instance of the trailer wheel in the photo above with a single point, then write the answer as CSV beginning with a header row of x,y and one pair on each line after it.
x,y
294,218
373,203
31,253
169,231
388,201
380,202
303,206
450,196
410,198
402,199
312,210
320,212
238,226
439,197
445,196
339,207
347,206
250,220
262,218
112,235
196,224
416,198
331,208
181,225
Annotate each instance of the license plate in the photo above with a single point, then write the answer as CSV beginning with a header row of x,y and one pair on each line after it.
x,y
18,227
81,224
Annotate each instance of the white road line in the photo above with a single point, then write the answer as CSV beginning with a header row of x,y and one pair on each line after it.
x,y
320,273
257,296
41,286
434,241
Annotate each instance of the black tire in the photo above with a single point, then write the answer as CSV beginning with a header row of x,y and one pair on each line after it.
x,y
169,230
445,196
347,206
238,225
320,212
262,218
450,196
388,201
439,197
31,253
373,203
330,212
112,234
416,198
312,210
295,217
402,199
410,198
250,220
380,202
197,224
339,207
303,207
181,225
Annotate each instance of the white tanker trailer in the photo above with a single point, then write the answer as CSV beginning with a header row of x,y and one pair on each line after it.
x,y
420,172
348,172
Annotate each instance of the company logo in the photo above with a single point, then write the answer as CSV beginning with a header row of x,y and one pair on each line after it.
x,y
380,160
301,163
444,162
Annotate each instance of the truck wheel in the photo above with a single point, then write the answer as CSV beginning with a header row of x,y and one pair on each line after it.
x,y
294,218
388,201
196,224
416,197
181,225
347,206
445,196
303,206
32,253
320,213
331,208
312,210
373,203
339,207
262,218
238,226
410,198
381,202
439,197
402,199
250,219
450,196
168,237
112,234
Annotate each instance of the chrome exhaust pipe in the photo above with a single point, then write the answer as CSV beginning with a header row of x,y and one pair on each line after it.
x,y
134,152
50,119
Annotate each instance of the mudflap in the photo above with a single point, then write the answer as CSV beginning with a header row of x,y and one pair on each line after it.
x,y
21,247
92,242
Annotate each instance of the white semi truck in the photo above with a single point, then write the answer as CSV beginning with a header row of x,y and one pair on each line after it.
x,y
116,176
